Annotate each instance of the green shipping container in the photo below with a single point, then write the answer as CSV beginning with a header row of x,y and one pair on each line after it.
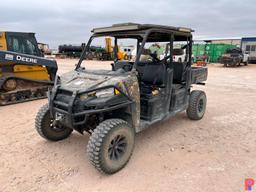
x,y
214,51
198,49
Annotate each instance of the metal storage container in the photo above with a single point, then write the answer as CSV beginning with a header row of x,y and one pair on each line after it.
x,y
214,51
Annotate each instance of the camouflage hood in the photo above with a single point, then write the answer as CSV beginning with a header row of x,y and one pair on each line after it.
x,y
83,80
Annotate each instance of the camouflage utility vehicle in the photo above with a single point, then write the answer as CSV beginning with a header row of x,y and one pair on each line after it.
x,y
113,105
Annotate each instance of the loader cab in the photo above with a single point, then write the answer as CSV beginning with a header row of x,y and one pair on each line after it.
x,y
19,42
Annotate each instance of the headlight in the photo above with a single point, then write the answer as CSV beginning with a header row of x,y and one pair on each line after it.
x,y
101,93
86,95
107,92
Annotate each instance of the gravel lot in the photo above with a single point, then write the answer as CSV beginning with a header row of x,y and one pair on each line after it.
x,y
214,154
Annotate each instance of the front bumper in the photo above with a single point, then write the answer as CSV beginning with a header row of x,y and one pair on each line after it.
x,y
67,109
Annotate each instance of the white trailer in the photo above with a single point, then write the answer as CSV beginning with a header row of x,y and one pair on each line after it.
x,y
248,46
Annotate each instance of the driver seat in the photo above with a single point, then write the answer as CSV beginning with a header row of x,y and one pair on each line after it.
x,y
153,74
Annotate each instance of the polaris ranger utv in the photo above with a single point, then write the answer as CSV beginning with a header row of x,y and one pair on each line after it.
x,y
113,105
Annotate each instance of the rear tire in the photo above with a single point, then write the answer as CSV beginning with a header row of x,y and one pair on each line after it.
x,y
197,105
45,128
110,145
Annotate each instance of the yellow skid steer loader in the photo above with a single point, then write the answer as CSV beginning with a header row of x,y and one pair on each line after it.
x,y
24,73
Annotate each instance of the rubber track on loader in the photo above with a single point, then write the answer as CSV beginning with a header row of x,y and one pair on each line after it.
x,y
24,95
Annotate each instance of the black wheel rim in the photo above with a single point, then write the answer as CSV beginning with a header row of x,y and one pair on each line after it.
x,y
201,105
117,147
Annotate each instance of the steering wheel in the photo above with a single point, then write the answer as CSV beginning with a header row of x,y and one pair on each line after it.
x,y
154,56
165,58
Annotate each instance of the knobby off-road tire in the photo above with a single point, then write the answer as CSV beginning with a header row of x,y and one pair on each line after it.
x,y
45,128
110,145
197,105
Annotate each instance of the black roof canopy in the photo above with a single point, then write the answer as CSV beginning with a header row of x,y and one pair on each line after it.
x,y
135,30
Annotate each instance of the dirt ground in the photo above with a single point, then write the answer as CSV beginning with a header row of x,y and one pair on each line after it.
x,y
214,154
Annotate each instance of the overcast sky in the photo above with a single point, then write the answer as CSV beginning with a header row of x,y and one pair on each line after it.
x,y
69,22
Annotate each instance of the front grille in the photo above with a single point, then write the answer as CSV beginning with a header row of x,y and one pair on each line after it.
x,y
61,101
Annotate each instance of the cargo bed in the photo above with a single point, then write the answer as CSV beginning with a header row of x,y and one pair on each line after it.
x,y
199,74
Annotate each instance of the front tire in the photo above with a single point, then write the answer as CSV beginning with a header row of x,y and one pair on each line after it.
x,y
197,105
110,145
46,129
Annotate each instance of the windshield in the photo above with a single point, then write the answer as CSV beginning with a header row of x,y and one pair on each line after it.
x,y
22,44
106,48
126,51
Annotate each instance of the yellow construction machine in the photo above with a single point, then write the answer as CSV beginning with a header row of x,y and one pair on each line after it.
x,y
24,73
121,55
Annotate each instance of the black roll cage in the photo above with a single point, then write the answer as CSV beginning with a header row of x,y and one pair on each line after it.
x,y
142,38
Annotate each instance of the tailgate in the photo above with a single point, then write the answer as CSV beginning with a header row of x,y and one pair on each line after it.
x,y
198,74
